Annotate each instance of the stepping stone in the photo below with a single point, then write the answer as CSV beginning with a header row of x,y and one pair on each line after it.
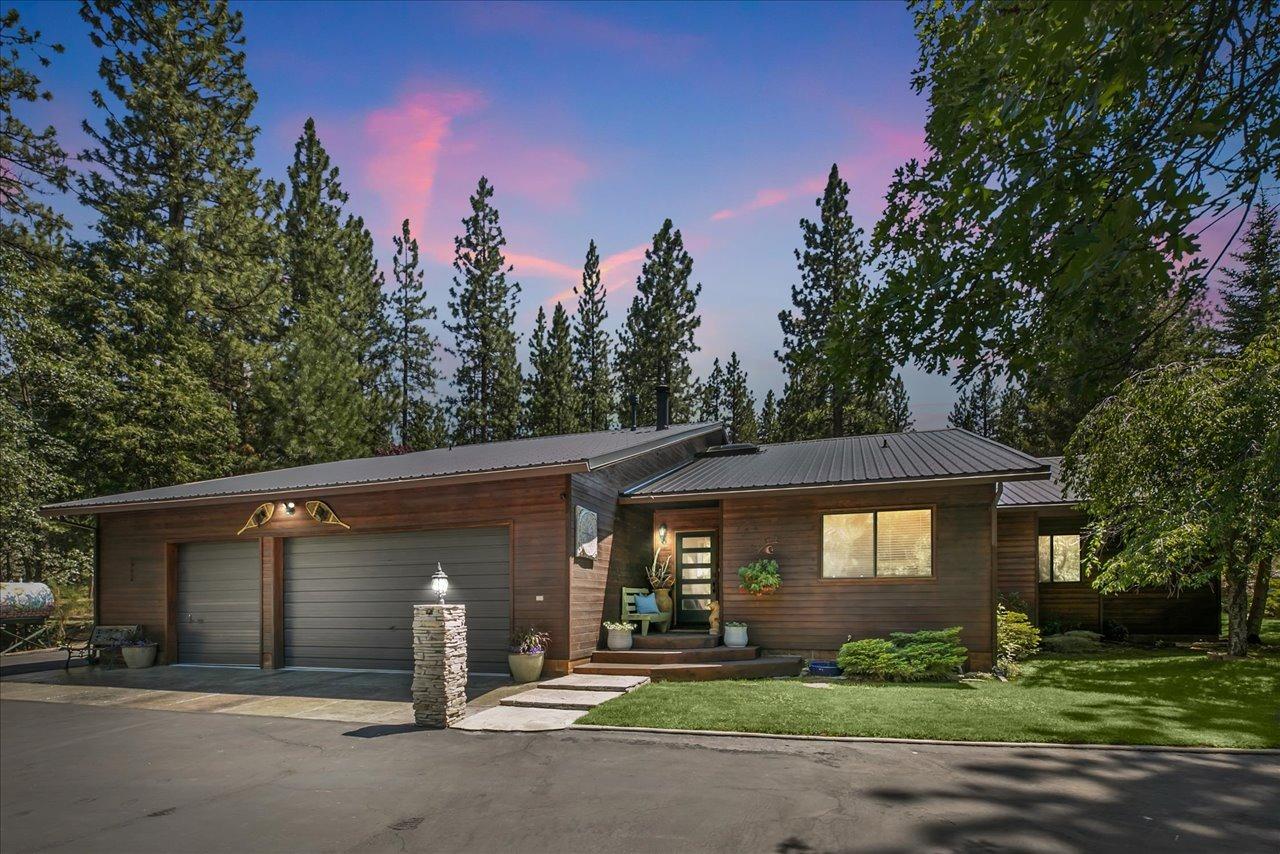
x,y
516,719
594,682
550,698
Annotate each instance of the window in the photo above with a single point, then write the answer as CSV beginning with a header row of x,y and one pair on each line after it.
x,y
1060,557
881,544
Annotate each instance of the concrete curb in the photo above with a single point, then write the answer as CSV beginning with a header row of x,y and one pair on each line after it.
x,y
862,739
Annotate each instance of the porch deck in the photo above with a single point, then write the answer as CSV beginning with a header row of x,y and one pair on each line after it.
x,y
688,657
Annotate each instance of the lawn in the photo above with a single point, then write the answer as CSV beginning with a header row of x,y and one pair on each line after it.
x,y
1126,696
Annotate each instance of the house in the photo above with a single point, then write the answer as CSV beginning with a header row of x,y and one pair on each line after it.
x,y
318,566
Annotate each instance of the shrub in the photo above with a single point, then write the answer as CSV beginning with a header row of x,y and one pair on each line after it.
x,y
1115,631
1016,638
1076,641
759,577
905,657
1014,602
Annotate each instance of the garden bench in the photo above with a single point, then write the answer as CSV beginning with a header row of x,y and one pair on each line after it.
x,y
629,615
102,639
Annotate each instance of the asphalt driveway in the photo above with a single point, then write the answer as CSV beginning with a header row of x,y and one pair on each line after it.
x,y
81,778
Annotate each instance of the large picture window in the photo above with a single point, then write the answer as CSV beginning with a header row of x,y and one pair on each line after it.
x,y
1059,557
879,544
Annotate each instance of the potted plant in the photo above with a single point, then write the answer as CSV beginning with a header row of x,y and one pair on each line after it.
x,y
661,580
528,647
619,635
138,652
735,634
759,577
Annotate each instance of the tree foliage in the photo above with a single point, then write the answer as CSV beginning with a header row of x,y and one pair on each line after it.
x,y
1180,471
768,421
552,405
592,371
413,349
1251,291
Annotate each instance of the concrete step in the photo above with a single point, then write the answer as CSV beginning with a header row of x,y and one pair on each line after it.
x,y
675,640
550,698
756,668
587,682
673,656
516,719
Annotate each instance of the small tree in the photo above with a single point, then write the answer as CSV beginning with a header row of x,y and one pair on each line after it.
x,y
1180,470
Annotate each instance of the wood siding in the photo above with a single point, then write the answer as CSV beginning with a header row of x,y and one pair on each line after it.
x,y
133,587
812,615
1016,555
623,532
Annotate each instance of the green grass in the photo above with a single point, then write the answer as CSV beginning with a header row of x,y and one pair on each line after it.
x,y
1127,696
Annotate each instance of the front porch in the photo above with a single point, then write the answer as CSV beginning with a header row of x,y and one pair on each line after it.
x,y
688,656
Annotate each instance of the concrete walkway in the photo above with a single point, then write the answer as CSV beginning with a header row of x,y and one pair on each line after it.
x,y
554,704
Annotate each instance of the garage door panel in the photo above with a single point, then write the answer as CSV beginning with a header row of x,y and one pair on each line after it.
x,y
348,600
218,607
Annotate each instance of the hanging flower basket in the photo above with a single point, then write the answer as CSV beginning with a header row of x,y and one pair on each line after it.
x,y
759,578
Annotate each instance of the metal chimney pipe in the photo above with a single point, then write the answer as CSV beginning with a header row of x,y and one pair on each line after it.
x,y
663,395
635,410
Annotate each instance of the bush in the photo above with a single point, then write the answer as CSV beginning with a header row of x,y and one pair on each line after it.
x,y
1076,641
1115,631
1016,638
905,657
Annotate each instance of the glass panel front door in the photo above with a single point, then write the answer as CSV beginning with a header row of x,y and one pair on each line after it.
x,y
695,577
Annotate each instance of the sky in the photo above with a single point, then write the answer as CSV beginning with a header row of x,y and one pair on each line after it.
x,y
592,122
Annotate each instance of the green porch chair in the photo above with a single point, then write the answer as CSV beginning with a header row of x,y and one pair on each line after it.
x,y
629,615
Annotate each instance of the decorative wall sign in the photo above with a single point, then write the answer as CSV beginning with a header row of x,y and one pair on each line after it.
x,y
259,517
324,514
585,522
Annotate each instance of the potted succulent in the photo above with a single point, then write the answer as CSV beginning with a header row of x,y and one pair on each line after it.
x,y
759,577
528,647
619,635
138,652
735,634
661,580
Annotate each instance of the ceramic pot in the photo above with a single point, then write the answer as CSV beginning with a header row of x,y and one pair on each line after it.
x,y
619,639
525,668
139,656
735,636
664,600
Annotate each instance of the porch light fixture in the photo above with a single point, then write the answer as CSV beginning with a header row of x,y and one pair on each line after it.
x,y
289,507
439,583
662,534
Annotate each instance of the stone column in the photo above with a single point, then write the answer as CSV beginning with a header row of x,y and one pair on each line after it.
x,y
439,664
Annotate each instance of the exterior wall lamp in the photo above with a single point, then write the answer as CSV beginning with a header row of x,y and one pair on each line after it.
x,y
289,507
662,534
439,583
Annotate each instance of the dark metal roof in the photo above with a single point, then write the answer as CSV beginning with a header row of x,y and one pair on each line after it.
x,y
1039,493
585,450
850,460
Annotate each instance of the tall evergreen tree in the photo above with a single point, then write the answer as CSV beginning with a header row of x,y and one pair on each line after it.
x,y
552,404
364,315
739,402
894,407
420,422
182,258
482,303
656,340
977,408
591,369
768,428
818,400
321,410
1251,292
710,394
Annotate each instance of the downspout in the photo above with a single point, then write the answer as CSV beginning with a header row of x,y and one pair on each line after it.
x,y
995,562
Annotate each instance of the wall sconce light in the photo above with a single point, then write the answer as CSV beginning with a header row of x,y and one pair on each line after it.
x,y
662,534
439,583
289,507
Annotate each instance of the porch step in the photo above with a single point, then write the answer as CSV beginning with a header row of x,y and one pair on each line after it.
x,y
585,682
756,668
550,698
675,640
672,656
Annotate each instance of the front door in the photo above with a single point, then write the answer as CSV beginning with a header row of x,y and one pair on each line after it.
x,y
695,577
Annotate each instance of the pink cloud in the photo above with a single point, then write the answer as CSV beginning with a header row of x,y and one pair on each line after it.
x,y
617,271
770,197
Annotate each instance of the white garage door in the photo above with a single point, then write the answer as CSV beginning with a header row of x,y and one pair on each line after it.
x,y
348,600
219,597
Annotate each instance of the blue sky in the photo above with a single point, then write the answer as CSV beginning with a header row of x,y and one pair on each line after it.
x,y
592,121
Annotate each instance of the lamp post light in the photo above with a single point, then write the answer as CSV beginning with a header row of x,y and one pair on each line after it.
x,y
439,583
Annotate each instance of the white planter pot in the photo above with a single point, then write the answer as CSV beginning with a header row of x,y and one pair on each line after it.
x,y
735,636
619,639
139,656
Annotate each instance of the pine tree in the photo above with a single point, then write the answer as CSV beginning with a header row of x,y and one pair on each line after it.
x,y
364,316
656,340
321,410
768,429
1251,292
413,350
710,394
894,407
739,403
817,400
551,397
591,369
978,406
482,303
184,282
